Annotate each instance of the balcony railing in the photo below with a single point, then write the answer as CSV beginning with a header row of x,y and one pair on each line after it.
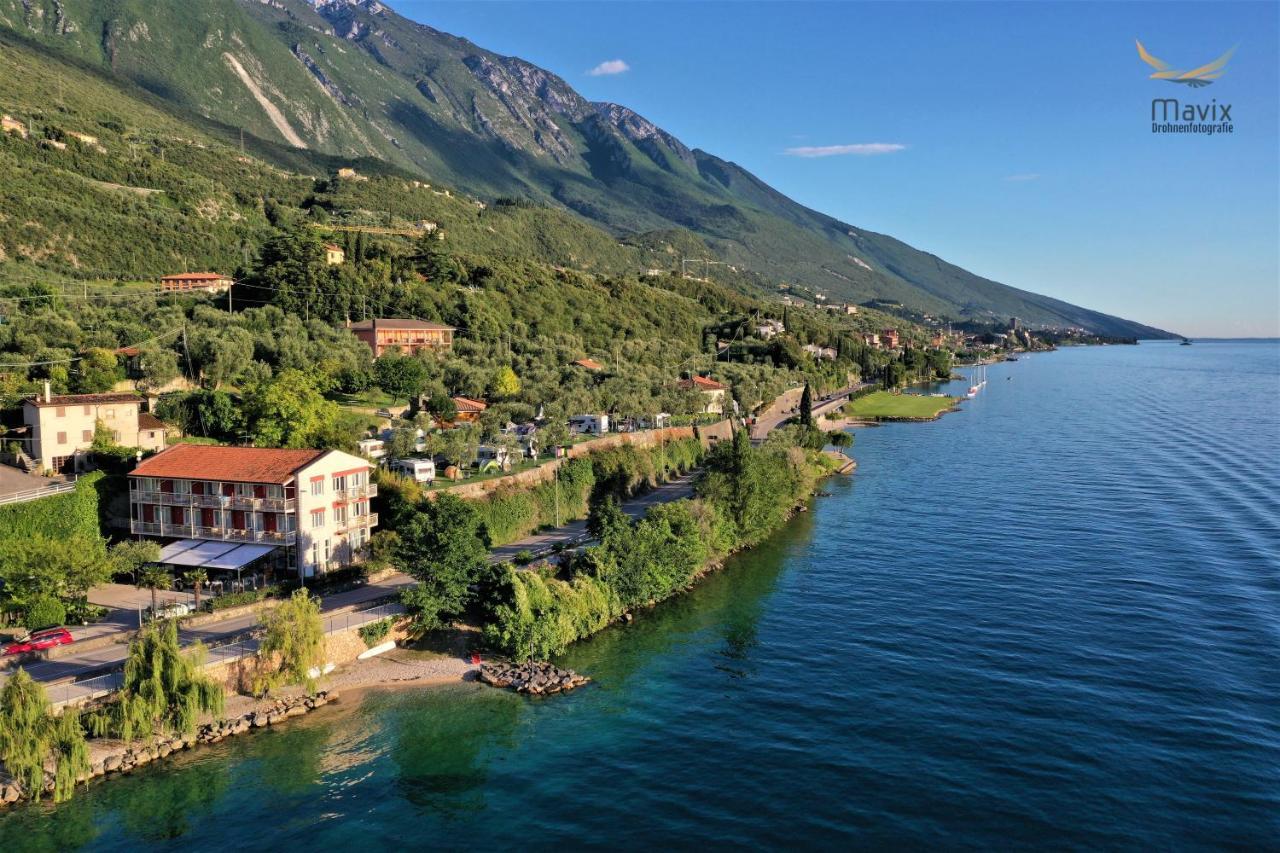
x,y
369,519
224,534
358,493
240,502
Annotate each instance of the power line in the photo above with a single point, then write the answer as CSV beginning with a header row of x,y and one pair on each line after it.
x,y
81,357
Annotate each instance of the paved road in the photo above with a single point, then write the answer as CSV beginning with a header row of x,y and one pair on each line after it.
x,y
123,617
787,407
96,661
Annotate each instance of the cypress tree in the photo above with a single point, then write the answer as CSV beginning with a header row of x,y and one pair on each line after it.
x,y
806,406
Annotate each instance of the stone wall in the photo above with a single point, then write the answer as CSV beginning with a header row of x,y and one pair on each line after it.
x,y
545,472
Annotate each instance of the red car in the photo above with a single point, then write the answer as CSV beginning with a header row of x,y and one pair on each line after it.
x,y
40,640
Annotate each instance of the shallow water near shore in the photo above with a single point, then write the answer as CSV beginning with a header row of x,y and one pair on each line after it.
x,y
1050,618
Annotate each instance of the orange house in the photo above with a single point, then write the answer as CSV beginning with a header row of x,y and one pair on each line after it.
x,y
210,282
409,335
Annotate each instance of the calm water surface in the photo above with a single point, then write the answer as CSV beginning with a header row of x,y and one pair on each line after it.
x,y
1051,619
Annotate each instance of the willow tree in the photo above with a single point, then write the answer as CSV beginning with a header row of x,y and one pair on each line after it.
x,y
295,632
70,753
24,731
164,689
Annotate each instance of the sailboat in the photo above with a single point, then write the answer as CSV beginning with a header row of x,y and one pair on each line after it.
x,y
978,383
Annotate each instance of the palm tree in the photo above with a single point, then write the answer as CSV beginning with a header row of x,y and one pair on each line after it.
x,y
198,578
154,577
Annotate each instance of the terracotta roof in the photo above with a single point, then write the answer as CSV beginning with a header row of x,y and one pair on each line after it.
x,y
235,464
702,383
83,399
466,404
146,420
129,351
333,247
365,325
197,276
589,364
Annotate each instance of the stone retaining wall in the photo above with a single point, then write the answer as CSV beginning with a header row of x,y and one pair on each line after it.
x,y
545,472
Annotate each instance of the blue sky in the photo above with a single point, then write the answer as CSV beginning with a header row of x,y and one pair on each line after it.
x,y
1026,147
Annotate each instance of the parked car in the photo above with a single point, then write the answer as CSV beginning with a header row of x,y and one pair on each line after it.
x,y
170,610
39,641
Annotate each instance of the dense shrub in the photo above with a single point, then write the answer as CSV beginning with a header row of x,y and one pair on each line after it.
x,y
45,613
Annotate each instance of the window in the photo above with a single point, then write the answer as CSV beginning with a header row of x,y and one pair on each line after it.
x,y
62,438
317,486
328,553
317,518
339,515
60,412
111,414
339,483
88,410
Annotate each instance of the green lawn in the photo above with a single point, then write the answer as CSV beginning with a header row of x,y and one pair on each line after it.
x,y
883,404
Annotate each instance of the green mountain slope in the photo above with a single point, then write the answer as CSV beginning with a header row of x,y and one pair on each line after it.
x,y
351,78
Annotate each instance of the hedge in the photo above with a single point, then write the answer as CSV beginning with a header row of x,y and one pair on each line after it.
x,y
70,515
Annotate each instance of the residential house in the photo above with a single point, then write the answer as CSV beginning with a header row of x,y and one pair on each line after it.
x,y
469,410
871,339
589,424
890,338
713,393
588,364
333,254
818,352
770,328
311,504
347,173
410,336
209,282
62,426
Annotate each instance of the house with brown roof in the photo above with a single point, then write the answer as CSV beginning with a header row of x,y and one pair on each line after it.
x,y
410,336
209,282
588,364
62,427
313,504
713,393
469,409
333,254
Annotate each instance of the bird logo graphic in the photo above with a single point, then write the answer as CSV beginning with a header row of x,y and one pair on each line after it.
x,y
1195,78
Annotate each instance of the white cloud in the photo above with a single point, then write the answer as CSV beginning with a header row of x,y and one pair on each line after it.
x,y
862,149
1025,176
612,66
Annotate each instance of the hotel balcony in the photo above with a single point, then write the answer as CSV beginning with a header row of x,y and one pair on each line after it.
x,y
224,534
355,522
240,502
358,493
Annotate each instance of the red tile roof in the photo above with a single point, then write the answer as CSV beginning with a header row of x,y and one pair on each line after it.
x,y
702,383
466,404
196,276
83,399
589,364
366,325
146,420
235,464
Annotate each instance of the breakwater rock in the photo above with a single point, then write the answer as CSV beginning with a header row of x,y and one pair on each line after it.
x,y
135,755
536,678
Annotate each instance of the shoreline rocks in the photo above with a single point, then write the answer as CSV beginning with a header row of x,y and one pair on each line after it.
x,y
537,678
139,754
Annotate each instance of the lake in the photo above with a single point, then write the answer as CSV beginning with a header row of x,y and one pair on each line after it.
x,y
1049,619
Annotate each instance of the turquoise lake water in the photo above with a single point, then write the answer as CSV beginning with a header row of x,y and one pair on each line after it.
x,y
1050,619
